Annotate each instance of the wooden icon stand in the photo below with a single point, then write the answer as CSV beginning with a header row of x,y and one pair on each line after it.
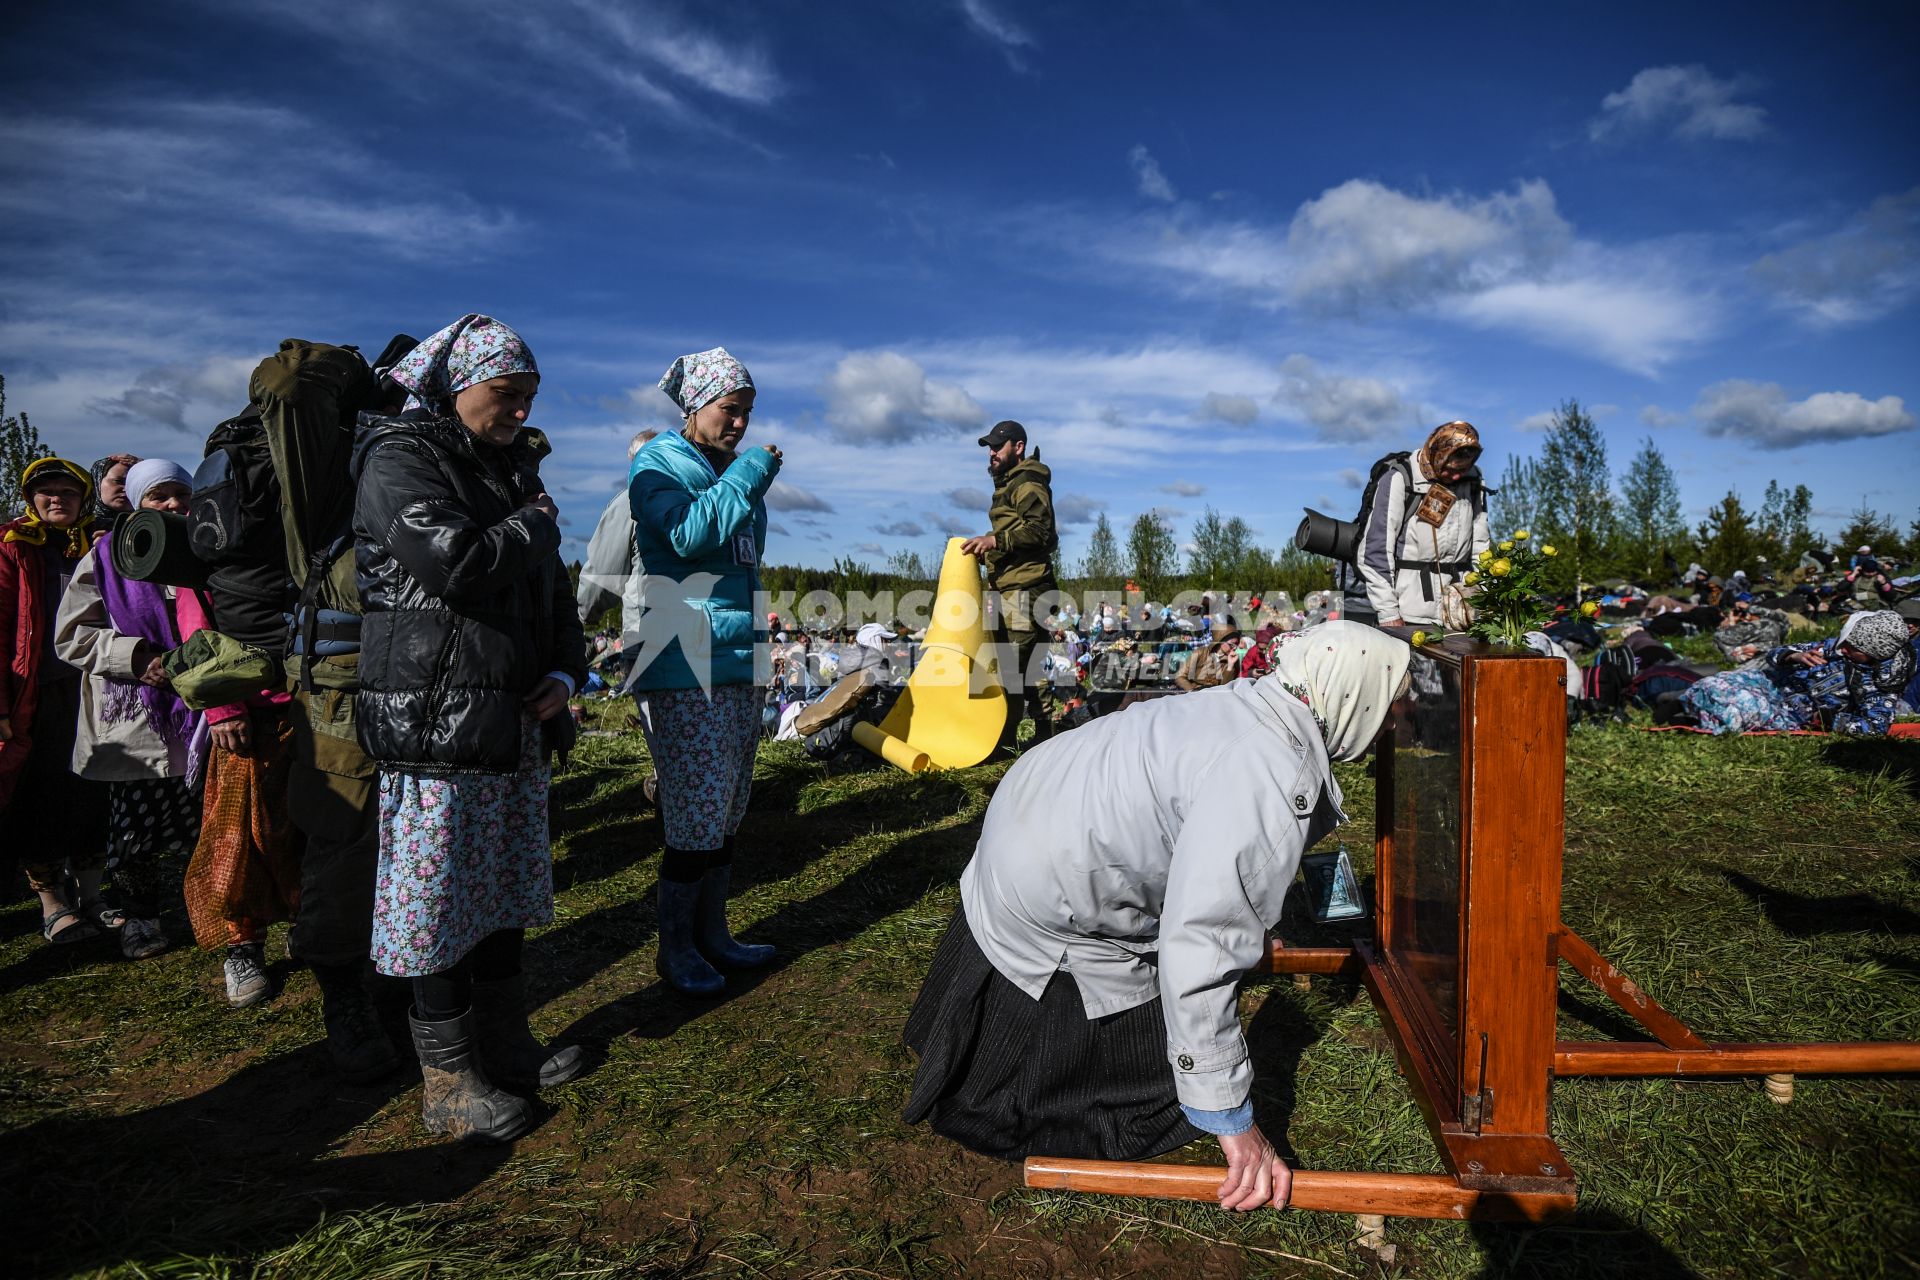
x,y
1463,965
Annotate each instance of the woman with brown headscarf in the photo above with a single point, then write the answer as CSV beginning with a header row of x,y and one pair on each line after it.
x,y
1427,523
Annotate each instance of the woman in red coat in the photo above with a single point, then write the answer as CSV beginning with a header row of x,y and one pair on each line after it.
x,y
54,819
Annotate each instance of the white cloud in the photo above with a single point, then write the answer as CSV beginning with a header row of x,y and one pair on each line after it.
x,y
956,526
729,68
1654,416
883,397
1760,412
1352,478
1507,260
1862,271
1362,243
1341,407
782,496
902,529
1690,102
183,170
1147,176
1238,411
970,499
1534,422
1636,321
216,388
1002,31
1076,508
1184,489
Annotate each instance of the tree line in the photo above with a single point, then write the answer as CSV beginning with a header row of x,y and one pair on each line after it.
x,y
1566,495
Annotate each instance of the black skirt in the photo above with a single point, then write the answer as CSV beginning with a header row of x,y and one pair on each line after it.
x,y
1009,1076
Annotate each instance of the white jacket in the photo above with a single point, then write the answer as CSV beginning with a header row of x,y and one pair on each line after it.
x,y
128,750
612,572
1392,536
1173,827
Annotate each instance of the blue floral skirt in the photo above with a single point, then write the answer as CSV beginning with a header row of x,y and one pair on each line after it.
x,y
461,856
1743,702
703,746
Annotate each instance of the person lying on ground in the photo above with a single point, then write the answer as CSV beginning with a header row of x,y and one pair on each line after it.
x,y
1750,632
1848,684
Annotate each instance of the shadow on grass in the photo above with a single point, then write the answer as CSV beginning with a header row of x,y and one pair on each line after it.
x,y
234,1167
1800,915
1899,759
884,885
1591,1242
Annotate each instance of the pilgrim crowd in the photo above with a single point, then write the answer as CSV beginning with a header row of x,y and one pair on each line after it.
x,y
350,724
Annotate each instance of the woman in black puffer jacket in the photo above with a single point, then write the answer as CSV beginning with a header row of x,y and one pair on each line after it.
x,y
470,642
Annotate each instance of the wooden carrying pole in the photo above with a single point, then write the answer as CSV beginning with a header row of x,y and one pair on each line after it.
x,y
1405,1195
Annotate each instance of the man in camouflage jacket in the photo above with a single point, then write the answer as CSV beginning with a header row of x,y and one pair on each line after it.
x,y
1019,560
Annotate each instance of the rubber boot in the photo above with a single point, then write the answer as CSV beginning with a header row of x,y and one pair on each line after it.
x,y
680,962
355,1040
710,927
456,1098
508,1049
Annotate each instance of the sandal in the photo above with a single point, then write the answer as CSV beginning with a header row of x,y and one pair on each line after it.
x,y
103,915
78,931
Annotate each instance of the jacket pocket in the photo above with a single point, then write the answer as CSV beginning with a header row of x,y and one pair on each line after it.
x,y
730,627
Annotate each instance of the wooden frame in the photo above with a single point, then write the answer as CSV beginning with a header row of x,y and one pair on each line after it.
x,y
1469,1000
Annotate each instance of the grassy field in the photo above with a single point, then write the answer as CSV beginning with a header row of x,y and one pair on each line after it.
x,y
1763,888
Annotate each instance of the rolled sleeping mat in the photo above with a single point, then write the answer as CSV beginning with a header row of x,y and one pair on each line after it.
x,y
153,546
1322,535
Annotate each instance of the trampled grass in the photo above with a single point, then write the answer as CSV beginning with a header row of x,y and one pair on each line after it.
x,y
1762,888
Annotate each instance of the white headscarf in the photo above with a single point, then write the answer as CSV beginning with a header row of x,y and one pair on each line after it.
x,y
148,472
1348,674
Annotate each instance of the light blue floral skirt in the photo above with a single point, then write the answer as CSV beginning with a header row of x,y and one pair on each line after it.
x,y
460,857
1742,702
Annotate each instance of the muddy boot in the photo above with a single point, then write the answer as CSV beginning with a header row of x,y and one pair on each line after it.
x,y
508,1049
355,1040
456,1098
710,927
680,962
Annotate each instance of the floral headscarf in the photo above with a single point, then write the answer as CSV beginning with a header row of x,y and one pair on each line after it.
x,y
696,381
1448,440
31,529
101,511
464,354
1348,674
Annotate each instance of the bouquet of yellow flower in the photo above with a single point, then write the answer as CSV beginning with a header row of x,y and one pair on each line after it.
x,y
1506,590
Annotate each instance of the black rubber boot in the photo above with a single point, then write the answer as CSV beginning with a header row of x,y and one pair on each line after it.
x,y
508,1049
710,927
680,962
355,1040
456,1098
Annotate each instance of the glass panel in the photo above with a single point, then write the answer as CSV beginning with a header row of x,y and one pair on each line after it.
x,y
1426,836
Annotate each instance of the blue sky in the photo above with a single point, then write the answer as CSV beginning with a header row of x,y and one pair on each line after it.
x,y
1213,254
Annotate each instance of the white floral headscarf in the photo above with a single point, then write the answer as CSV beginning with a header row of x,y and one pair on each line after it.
x,y
693,382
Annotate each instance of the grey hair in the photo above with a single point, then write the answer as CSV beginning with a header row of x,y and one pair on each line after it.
x,y
639,441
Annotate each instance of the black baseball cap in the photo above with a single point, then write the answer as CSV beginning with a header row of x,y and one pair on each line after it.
x,y
1003,432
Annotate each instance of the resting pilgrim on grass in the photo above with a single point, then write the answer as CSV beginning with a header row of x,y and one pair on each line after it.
x,y
1085,999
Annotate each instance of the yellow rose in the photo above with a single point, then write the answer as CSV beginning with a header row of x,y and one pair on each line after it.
x,y
1590,610
1471,578
1500,568
1521,535
1506,546
1486,556
1548,550
1419,638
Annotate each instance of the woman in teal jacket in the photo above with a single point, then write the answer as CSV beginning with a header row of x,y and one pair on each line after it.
x,y
700,526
